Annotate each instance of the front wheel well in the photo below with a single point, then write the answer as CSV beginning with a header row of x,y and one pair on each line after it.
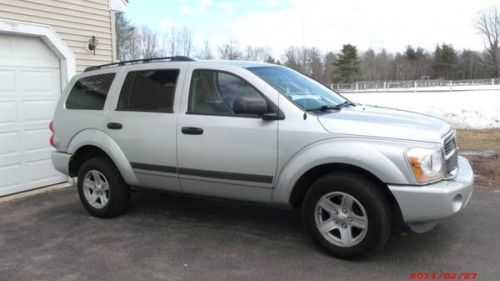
x,y
308,178
83,154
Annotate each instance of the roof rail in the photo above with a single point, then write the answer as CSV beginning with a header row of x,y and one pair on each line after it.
x,y
176,58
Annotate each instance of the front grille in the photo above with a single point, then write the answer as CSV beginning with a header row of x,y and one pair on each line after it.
x,y
450,145
450,151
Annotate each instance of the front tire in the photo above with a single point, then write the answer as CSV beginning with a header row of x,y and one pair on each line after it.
x,y
347,215
101,188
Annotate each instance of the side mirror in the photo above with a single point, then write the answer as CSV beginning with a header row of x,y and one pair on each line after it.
x,y
250,105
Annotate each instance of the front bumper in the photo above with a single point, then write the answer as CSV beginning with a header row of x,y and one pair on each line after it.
x,y
436,201
60,161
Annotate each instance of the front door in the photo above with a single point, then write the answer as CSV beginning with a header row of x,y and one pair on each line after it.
x,y
143,124
221,153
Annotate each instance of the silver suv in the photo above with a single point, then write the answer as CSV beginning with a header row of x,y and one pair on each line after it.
x,y
262,133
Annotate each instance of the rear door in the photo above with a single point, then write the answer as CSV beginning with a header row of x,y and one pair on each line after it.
x,y
143,123
221,153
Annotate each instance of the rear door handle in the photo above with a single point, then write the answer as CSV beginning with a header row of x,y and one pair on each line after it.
x,y
114,126
192,131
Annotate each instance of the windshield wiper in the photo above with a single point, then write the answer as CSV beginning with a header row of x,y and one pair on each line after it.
x,y
346,103
333,107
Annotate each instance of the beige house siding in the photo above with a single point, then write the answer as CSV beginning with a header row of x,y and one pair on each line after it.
x,y
76,21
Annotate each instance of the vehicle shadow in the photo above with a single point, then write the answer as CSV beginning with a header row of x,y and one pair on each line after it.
x,y
264,222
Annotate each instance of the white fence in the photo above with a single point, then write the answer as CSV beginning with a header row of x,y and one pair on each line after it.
x,y
418,86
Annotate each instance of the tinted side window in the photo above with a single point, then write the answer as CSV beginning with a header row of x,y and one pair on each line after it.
x,y
214,92
148,91
90,92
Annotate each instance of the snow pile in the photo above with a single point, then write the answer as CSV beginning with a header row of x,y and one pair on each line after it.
x,y
464,109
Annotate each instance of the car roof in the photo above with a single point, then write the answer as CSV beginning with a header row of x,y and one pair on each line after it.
x,y
179,59
240,63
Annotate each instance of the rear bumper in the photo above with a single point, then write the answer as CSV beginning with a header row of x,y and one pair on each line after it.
x,y
436,201
60,161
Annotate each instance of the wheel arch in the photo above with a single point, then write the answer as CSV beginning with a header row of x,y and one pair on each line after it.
x,y
378,160
83,154
302,185
92,143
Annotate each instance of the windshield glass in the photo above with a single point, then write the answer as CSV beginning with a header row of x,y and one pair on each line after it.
x,y
300,89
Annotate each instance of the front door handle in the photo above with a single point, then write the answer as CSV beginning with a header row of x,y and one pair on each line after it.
x,y
114,126
192,131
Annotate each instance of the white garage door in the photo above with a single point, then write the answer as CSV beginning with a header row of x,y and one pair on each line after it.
x,y
30,84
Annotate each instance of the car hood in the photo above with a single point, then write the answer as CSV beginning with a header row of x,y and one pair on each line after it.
x,y
385,123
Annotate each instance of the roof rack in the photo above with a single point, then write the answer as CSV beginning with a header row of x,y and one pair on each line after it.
x,y
176,58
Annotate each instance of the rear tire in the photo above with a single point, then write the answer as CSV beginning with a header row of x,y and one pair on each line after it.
x,y
347,215
101,188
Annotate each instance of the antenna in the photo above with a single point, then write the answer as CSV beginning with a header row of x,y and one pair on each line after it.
x,y
302,22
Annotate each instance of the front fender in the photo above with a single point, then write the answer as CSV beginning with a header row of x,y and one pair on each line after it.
x,y
107,144
384,159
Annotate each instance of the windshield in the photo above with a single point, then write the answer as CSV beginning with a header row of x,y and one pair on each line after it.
x,y
300,89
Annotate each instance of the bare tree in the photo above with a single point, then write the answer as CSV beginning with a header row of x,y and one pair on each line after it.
x,y
148,42
470,65
127,39
383,65
328,67
230,51
170,45
315,64
294,58
206,52
257,53
488,25
308,61
185,37
367,67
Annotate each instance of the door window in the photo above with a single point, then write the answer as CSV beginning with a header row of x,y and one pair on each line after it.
x,y
214,92
148,91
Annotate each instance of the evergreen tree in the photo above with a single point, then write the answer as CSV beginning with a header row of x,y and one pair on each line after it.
x,y
445,61
270,59
347,64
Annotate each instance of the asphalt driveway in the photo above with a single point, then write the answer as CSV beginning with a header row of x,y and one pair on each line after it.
x,y
50,237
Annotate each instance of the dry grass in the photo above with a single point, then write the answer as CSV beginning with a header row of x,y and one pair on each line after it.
x,y
487,169
488,139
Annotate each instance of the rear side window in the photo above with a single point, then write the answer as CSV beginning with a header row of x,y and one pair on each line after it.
x,y
148,91
90,92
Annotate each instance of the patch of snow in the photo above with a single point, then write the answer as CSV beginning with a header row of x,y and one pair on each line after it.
x,y
478,109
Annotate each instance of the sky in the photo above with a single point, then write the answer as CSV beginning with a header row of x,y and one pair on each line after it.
x,y
326,24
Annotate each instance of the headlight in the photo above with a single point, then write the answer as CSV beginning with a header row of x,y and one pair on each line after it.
x,y
426,164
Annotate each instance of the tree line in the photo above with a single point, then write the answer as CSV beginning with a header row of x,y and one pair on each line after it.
x,y
346,66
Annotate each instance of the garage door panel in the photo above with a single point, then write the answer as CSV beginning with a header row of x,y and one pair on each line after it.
x,y
26,51
40,83
34,50
36,140
9,143
40,170
8,112
6,47
38,110
11,177
7,82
